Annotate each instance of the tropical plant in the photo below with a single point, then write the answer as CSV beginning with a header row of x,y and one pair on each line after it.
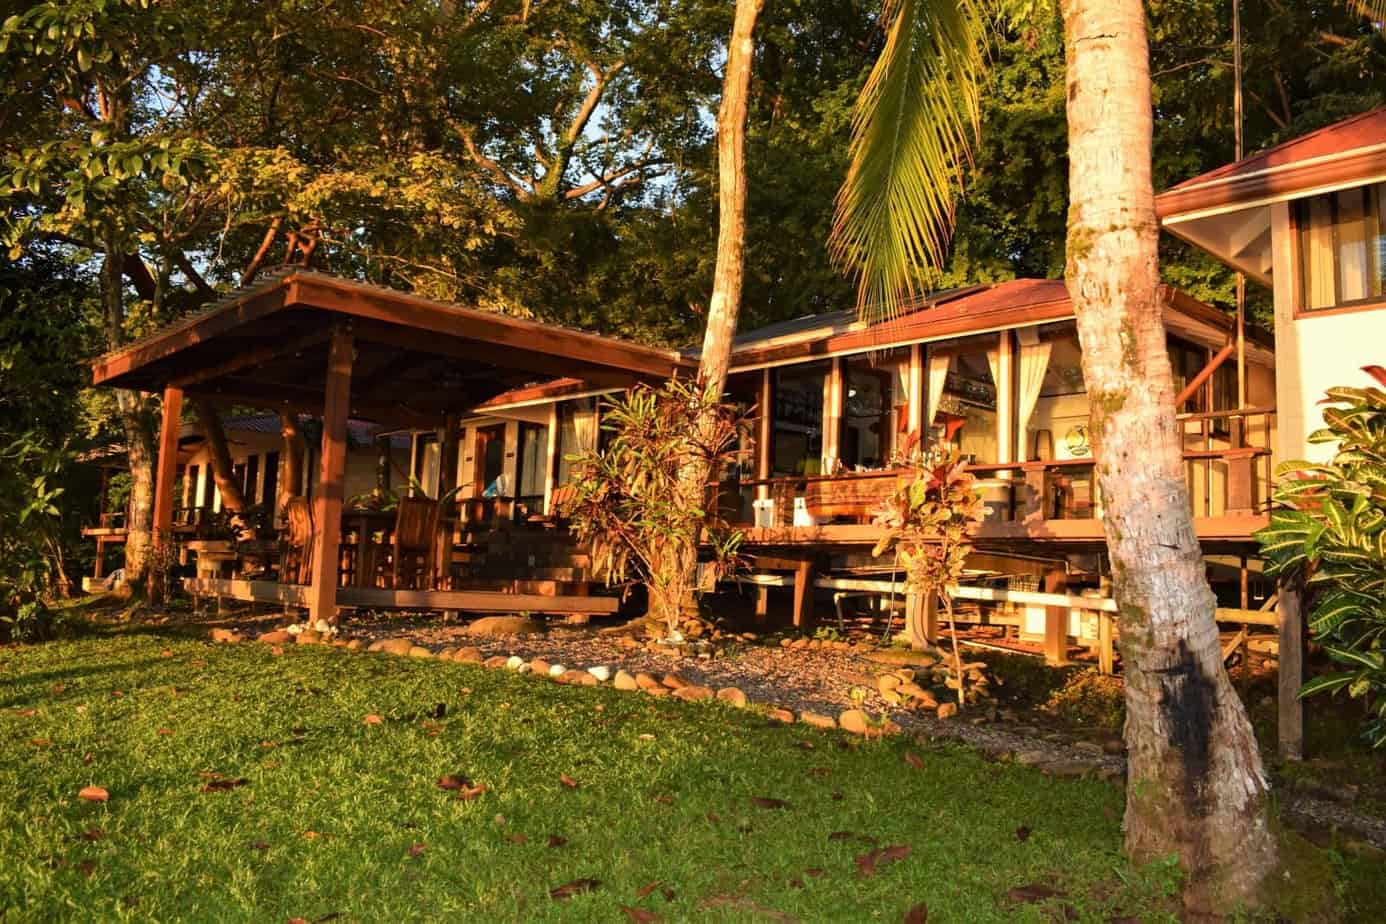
x,y
626,504
30,542
1328,528
926,523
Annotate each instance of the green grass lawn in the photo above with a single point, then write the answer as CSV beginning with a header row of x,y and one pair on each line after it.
x,y
247,786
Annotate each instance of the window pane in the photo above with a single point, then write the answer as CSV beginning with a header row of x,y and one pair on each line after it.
x,y
1057,427
1342,247
798,425
534,452
875,409
966,412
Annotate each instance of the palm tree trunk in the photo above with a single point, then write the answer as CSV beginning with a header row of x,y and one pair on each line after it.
x,y
1195,784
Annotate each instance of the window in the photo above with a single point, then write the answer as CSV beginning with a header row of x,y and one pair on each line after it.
x,y
577,434
797,436
533,454
1053,401
962,400
875,412
1186,361
1342,247
427,461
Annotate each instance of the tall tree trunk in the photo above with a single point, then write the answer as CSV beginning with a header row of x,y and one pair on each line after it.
x,y
223,471
731,242
1195,784
134,421
294,452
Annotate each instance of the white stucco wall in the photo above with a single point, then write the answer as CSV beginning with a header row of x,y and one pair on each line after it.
x,y
1314,352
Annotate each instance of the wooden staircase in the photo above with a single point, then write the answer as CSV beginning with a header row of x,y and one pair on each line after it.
x,y
522,558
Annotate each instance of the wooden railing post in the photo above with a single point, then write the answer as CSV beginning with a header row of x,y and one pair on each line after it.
x,y
164,476
1291,655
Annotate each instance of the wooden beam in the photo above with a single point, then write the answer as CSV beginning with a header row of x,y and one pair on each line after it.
x,y
1204,374
327,500
165,473
765,432
1056,620
475,601
245,359
803,595
1290,721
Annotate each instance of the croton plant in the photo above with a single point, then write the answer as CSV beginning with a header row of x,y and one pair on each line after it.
x,y
1328,529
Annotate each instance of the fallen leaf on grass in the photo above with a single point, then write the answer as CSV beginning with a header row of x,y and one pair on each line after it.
x,y
165,653
469,793
914,760
919,914
88,867
664,800
814,872
93,794
453,782
93,834
766,802
40,742
576,887
567,781
27,713
557,841
1022,833
869,861
1034,892
517,838
224,785
804,745
640,915
260,845
276,650
713,817
646,889
373,719
416,850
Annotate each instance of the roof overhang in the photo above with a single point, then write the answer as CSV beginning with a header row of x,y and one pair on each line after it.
x,y
416,359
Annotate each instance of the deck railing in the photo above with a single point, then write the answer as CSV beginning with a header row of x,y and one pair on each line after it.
x,y
1227,457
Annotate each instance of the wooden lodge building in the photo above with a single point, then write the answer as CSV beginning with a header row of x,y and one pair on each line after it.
x,y
487,408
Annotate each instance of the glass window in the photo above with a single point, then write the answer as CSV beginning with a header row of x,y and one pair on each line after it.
x,y
875,413
797,442
533,454
1052,399
1342,247
1186,361
962,384
427,460
577,433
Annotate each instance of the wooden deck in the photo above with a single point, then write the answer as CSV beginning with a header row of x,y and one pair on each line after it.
x,y
472,601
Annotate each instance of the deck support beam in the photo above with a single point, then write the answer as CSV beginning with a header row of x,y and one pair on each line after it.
x,y
803,595
1290,722
327,501
1056,620
165,474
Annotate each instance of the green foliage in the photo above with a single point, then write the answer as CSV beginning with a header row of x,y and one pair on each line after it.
x,y
631,505
1329,526
916,122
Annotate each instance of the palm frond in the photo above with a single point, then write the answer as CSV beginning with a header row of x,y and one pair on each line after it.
x,y
915,126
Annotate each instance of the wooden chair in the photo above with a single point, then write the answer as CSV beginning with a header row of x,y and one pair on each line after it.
x,y
296,545
413,559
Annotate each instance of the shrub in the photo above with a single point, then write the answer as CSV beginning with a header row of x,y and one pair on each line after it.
x,y
631,504
1329,529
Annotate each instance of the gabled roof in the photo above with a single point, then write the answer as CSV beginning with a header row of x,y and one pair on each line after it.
x,y
1340,154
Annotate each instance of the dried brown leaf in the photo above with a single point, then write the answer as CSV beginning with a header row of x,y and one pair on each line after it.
x,y
453,782
469,793
373,719
576,887
868,862
914,760
1034,892
1022,833
556,840
567,781
646,889
919,914
640,915
416,850
766,802
93,794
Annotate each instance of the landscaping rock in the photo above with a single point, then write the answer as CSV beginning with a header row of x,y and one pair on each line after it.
x,y
856,722
818,720
601,672
308,637
646,681
557,670
946,710
1114,745
586,679
693,693
225,636
514,662
800,643
674,681
495,661
540,666
503,626
779,714
1088,747
419,651
394,646
732,695
574,676
355,645
887,683
277,637
446,654
469,655
657,691
624,681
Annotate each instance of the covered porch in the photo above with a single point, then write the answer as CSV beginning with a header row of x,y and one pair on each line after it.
x,y
309,343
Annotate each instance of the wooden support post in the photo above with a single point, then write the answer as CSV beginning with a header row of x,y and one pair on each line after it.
x,y
766,434
165,474
803,595
1106,657
1291,709
762,605
921,620
1056,620
327,498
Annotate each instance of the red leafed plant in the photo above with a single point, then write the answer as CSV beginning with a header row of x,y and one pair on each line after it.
x,y
927,523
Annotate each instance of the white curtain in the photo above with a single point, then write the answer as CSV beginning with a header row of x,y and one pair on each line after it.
x,y
1317,245
1034,362
938,377
585,425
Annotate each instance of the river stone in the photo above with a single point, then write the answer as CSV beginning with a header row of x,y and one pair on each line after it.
x,y
557,670
657,691
495,661
540,666
574,676
601,672
277,637
394,646
586,679
817,719
355,645
674,681
513,662
468,655
780,714
856,722
800,643
693,693
946,710
624,681
446,654
308,637
419,651
647,681
732,695
225,635
503,625
887,682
